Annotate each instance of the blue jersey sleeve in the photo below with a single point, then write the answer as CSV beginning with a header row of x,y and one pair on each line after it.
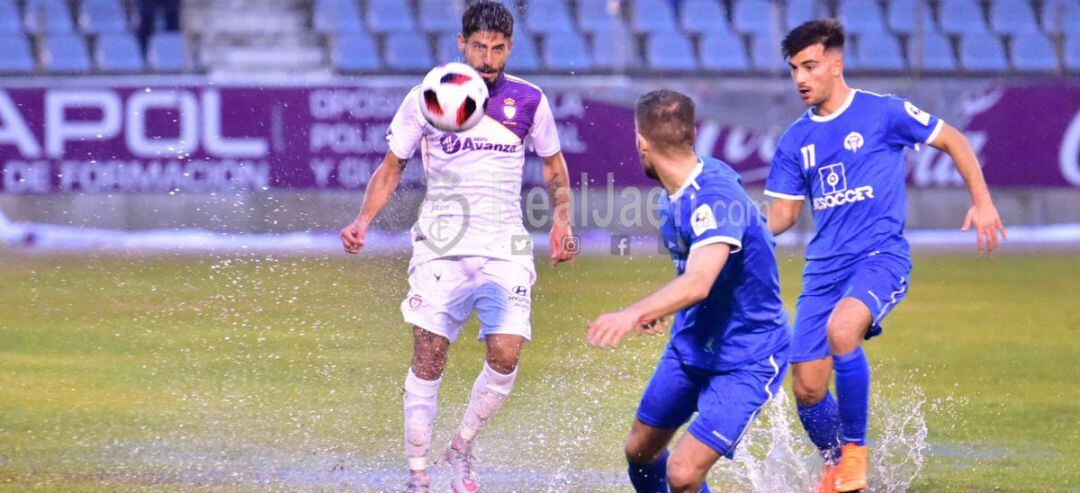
x,y
786,179
910,126
719,217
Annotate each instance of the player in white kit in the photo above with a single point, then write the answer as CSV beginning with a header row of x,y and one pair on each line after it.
x,y
471,252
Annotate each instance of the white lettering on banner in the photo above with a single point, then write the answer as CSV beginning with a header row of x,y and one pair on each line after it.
x,y
24,177
566,105
570,139
933,168
59,130
327,104
219,145
143,145
347,138
13,129
163,176
350,172
1069,156
322,169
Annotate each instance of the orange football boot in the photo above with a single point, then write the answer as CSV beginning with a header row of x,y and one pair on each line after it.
x,y
851,471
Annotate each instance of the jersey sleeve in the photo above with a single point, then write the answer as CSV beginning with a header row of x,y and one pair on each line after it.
x,y
719,217
406,130
544,133
786,179
910,126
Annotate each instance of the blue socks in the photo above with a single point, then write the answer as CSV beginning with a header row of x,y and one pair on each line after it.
x,y
853,393
822,423
652,477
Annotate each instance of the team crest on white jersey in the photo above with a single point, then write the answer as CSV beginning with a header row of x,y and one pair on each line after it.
x,y
509,109
853,141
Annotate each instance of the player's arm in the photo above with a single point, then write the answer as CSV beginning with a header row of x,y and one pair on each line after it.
x,y
983,215
702,268
783,214
384,181
557,178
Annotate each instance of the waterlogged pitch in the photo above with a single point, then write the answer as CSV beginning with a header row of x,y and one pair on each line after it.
x,y
261,373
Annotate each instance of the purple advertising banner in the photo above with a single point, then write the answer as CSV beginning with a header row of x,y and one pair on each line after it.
x,y
209,139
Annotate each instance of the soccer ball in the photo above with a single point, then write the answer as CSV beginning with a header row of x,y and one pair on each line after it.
x,y
453,97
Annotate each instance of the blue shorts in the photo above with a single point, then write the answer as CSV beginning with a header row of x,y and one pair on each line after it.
x,y
726,402
879,281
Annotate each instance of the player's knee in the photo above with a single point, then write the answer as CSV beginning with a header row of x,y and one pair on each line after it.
x,y
843,337
807,393
638,452
503,363
683,476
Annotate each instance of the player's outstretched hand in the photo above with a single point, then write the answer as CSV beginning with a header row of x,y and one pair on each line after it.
x,y
987,224
564,245
609,329
352,237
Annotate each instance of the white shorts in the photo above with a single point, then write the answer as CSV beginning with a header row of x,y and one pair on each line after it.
x,y
444,292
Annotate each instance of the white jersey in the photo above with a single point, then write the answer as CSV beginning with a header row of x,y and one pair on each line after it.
x,y
473,201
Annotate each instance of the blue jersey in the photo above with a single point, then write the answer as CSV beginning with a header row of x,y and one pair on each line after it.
x,y
850,167
743,319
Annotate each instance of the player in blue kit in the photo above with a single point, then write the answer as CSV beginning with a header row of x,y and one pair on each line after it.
x,y
845,157
728,350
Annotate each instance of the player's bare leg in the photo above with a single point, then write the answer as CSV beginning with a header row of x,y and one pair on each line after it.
x,y
489,392
421,402
646,456
817,411
689,465
847,326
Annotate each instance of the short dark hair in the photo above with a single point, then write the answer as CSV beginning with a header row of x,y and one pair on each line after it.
x,y
828,32
666,119
486,15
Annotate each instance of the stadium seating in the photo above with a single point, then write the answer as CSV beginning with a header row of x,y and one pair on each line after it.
x,y
118,53
355,52
903,16
800,11
982,52
102,16
652,16
931,52
15,54
702,16
407,51
1033,52
879,51
390,16
1012,17
167,52
548,17
723,51
1061,16
439,16
614,48
765,54
446,49
669,52
566,52
861,16
961,17
48,16
1072,52
752,16
65,52
595,15
337,16
523,57
10,23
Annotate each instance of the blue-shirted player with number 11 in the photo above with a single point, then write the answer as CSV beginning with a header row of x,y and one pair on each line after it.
x,y
845,157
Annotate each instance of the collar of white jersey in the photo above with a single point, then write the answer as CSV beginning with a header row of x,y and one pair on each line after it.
x,y
836,114
690,180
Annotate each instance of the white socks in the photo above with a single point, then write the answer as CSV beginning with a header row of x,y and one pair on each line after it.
x,y
488,394
421,404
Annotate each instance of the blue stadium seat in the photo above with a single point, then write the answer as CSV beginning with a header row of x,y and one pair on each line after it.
x,y
102,16
439,16
961,17
355,52
652,16
752,16
765,54
670,51
931,52
118,53
595,15
1033,52
862,16
48,16
1061,16
982,52
167,52
10,22
723,51
548,17
1072,52
337,16
800,11
1012,17
904,15
879,51
566,52
523,57
390,16
408,51
65,52
615,48
703,16
15,54
446,49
